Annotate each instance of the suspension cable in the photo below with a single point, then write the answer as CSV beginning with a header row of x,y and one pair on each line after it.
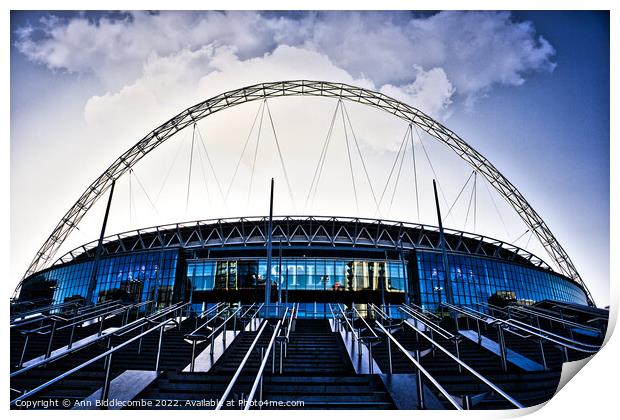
x,y
144,190
359,151
203,172
217,181
528,239
471,199
320,174
130,200
260,128
275,136
415,172
475,199
189,175
245,145
346,137
520,236
400,168
178,152
387,183
443,195
459,195
322,155
497,209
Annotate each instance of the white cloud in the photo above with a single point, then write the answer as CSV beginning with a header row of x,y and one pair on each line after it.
x,y
474,50
431,91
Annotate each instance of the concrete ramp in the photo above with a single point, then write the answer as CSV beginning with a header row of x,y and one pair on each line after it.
x,y
124,387
511,356
359,355
403,390
205,361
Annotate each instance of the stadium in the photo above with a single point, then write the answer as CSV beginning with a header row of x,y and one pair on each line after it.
x,y
333,312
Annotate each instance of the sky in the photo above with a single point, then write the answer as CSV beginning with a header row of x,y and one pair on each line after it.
x,y
529,90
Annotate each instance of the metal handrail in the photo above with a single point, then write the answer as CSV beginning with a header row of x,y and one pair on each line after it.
x,y
428,323
423,311
146,320
293,317
79,312
493,308
127,329
112,312
31,302
100,312
211,319
467,367
527,327
382,314
421,369
107,353
41,310
569,344
229,388
265,357
248,310
344,316
542,333
552,318
223,324
374,334
207,311
570,308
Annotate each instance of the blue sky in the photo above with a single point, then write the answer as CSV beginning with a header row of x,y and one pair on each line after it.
x,y
529,90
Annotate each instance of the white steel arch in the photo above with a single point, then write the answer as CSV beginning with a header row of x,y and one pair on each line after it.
x,y
479,163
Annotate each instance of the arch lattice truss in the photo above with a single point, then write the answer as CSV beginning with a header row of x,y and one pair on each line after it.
x,y
188,117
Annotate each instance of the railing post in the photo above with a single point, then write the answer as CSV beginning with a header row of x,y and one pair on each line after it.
x,y
273,360
420,385
542,353
370,364
100,326
467,402
458,354
479,334
21,359
502,346
140,340
49,344
389,343
105,390
281,347
71,336
161,335
191,368
212,344
260,386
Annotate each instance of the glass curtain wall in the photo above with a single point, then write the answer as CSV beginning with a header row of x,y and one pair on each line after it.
x,y
297,274
475,280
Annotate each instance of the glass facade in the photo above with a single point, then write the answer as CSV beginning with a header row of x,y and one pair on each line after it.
x,y
297,274
138,277
476,279
150,275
